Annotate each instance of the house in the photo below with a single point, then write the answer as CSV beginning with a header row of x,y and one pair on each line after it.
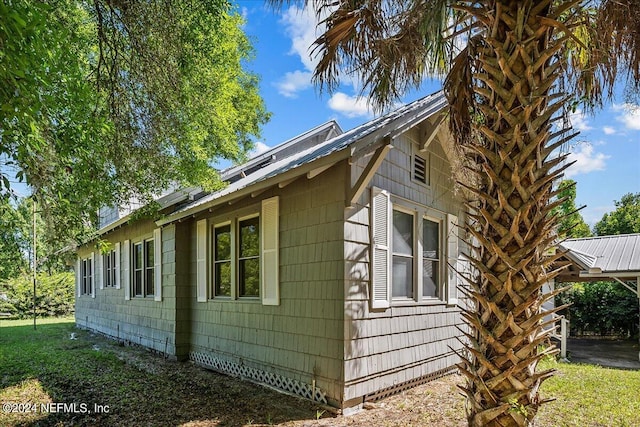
x,y
324,268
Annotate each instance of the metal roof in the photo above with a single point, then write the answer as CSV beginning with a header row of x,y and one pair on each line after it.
x,y
284,149
366,135
605,254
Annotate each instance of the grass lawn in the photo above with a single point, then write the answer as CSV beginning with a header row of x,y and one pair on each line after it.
x,y
133,387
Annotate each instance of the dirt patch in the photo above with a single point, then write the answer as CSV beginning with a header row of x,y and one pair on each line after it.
x,y
185,394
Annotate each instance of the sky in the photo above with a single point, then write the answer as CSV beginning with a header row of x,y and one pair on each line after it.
x,y
607,151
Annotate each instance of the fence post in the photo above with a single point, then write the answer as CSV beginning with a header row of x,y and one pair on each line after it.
x,y
563,337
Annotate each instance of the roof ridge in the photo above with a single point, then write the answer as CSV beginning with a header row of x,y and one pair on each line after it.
x,y
608,236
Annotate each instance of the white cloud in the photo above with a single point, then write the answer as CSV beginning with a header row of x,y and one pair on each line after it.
x,y
630,115
259,148
350,106
579,122
294,82
608,130
586,160
301,25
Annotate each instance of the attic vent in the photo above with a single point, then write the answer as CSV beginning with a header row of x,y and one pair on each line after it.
x,y
420,169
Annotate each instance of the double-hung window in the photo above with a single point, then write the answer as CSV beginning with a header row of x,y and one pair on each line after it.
x,y
86,283
238,258
411,244
249,257
222,260
109,262
143,268
402,247
431,263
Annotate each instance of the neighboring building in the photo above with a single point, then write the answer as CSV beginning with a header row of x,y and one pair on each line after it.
x,y
323,268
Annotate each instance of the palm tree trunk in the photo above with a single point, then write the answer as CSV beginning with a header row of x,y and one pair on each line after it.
x,y
514,68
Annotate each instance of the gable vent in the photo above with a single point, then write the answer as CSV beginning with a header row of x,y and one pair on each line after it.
x,y
420,169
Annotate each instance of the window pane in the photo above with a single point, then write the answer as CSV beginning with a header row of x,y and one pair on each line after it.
x,y
137,256
430,239
402,277
430,278
249,277
149,254
137,283
149,281
223,279
402,233
431,258
223,243
249,238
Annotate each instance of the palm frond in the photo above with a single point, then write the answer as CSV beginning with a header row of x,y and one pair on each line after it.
x,y
390,47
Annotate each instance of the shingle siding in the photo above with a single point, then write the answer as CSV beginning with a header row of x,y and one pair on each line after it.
x,y
323,332
302,338
141,321
384,348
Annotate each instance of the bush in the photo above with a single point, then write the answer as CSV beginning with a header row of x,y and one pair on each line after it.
x,y
601,308
54,295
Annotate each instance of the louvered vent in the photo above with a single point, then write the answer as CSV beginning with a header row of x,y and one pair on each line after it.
x,y
420,169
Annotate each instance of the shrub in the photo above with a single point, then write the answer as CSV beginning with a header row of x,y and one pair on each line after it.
x,y
54,295
601,308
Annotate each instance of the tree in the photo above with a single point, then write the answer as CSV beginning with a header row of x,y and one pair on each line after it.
x,y
512,68
104,100
624,220
571,224
12,246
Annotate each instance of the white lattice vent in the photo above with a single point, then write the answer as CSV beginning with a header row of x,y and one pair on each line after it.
x,y
278,381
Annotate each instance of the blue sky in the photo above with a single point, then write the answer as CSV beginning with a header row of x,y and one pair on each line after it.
x,y
607,151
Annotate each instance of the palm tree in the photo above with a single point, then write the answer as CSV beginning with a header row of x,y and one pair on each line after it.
x,y
512,68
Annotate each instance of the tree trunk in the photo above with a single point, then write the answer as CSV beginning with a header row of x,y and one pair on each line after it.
x,y
514,68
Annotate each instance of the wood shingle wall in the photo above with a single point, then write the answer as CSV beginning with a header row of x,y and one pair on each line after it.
x,y
141,321
391,346
302,338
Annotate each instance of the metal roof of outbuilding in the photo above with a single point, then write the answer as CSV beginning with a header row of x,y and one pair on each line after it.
x,y
605,254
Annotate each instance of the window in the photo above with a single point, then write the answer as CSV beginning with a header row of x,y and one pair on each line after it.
x,y
109,262
238,258
402,248
222,261
410,246
430,258
249,258
143,268
86,276
406,277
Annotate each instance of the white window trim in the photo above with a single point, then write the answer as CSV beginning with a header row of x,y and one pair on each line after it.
x,y
206,254
414,246
442,259
82,276
419,212
236,261
212,249
149,238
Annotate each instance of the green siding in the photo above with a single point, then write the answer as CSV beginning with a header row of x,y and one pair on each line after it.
x,y
384,348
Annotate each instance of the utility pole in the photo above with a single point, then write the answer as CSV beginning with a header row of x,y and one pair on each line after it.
x,y
35,263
